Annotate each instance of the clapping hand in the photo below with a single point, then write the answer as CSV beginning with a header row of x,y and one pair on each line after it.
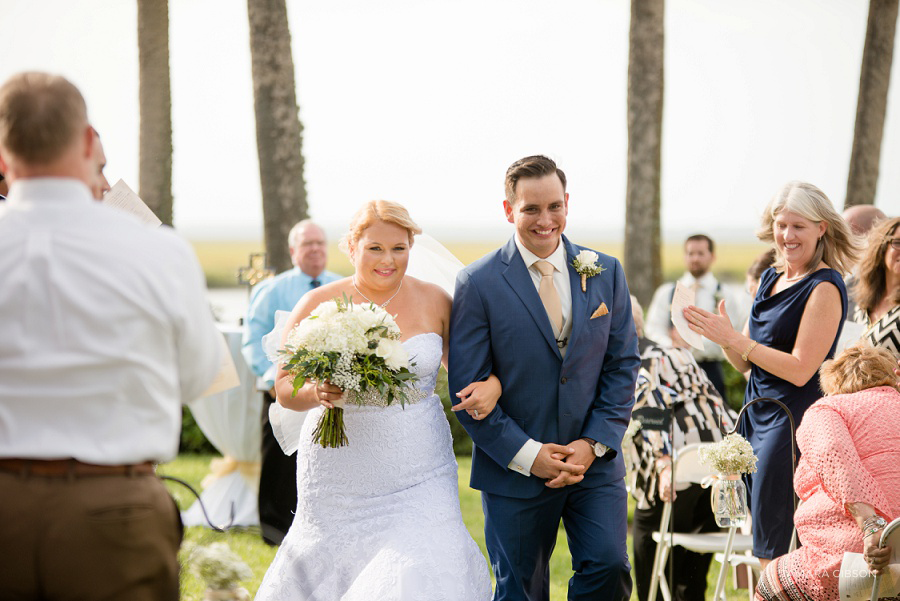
x,y
714,326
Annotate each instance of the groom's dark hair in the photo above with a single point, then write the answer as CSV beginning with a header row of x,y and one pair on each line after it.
x,y
533,166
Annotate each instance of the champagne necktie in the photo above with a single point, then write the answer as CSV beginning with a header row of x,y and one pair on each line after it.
x,y
549,295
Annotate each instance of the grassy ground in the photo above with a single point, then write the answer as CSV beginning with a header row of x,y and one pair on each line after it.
x,y
258,556
221,259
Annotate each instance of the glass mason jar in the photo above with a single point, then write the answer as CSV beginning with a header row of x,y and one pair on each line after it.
x,y
729,500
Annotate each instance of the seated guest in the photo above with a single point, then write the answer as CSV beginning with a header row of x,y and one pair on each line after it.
x,y
846,479
877,288
670,379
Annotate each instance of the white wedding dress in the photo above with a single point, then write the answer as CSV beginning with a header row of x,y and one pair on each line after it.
x,y
379,519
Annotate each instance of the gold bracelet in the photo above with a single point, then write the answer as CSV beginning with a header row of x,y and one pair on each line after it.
x,y
746,354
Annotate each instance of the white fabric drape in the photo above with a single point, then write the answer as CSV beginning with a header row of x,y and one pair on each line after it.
x,y
231,422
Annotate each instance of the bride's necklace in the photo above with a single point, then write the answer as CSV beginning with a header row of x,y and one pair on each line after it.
x,y
385,303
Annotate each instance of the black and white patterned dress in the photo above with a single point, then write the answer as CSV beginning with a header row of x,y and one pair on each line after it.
x,y
671,379
885,332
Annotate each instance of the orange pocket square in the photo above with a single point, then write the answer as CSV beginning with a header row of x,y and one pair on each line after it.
x,y
600,312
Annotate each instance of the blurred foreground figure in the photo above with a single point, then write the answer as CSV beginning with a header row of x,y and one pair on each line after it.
x,y
106,330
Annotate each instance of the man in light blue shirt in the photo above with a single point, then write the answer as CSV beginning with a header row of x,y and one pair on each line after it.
x,y
278,473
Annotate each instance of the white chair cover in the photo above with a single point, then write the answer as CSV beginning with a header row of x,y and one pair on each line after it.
x,y
231,422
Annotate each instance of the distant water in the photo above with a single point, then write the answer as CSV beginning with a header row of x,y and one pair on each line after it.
x,y
229,304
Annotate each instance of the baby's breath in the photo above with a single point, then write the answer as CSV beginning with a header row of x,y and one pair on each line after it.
x,y
731,455
218,566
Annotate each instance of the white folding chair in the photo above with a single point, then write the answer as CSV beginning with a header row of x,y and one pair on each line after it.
x,y
889,536
686,469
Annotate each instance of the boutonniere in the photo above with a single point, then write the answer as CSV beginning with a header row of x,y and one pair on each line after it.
x,y
586,266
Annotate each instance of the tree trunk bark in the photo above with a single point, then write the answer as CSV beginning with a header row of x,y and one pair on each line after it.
x,y
155,177
279,134
874,80
643,263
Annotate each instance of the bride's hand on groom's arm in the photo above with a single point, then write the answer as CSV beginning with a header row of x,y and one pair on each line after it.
x,y
552,465
479,398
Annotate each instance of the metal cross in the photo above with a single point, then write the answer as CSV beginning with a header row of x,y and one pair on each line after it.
x,y
255,272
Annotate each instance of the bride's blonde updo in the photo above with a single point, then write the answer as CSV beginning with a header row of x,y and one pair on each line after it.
x,y
377,210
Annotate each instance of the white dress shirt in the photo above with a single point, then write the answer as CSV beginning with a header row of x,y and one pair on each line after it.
x,y
106,329
708,291
524,459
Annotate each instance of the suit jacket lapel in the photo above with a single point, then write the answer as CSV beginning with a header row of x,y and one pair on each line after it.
x,y
579,298
517,276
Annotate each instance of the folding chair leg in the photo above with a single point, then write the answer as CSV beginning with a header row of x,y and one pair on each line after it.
x,y
659,561
875,586
720,583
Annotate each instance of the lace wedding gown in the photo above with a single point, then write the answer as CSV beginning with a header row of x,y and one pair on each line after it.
x,y
379,519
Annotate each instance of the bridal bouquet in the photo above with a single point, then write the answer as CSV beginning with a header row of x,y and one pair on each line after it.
x,y
355,347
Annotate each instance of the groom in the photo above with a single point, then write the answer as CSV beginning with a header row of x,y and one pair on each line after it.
x,y
567,359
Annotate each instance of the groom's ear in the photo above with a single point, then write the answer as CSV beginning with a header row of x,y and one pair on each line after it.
x,y
508,209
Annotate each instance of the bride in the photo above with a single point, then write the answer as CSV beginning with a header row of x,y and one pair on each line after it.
x,y
380,518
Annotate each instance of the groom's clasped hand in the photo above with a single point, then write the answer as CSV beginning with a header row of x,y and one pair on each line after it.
x,y
563,465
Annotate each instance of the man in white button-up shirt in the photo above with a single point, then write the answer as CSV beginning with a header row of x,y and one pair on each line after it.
x,y
106,331
699,256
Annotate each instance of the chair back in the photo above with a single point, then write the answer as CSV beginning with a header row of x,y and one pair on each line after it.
x,y
687,468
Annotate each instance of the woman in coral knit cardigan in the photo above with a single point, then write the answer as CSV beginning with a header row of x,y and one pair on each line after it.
x,y
847,477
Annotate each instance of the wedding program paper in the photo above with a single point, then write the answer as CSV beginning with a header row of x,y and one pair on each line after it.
x,y
682,298
855,582
123,197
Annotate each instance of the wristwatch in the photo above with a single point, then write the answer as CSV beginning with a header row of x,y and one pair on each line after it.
x,y
599,448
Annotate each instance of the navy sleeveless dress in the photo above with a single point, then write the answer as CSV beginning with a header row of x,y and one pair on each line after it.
x,y
774,322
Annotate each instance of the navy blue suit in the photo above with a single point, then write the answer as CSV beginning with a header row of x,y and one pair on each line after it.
x,y
499,325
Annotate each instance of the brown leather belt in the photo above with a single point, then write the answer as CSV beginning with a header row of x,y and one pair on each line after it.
x,y
60,468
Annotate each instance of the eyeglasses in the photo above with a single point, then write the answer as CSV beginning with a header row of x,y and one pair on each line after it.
x,y
894,242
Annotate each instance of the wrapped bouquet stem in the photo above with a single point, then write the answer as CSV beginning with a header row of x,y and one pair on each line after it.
x,y
354,347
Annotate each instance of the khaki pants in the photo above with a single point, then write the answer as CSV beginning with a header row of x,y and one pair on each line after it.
x,y
96,538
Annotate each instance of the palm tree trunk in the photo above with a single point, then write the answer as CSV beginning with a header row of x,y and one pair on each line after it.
x,y
155,177
874,80
643,263
279,135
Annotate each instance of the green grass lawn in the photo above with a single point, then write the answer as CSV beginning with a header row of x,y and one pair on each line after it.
x,y
249,545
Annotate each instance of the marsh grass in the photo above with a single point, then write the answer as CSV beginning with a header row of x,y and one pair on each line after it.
x,y
222,259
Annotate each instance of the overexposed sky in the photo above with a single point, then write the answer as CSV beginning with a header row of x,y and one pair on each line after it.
x,y
428,101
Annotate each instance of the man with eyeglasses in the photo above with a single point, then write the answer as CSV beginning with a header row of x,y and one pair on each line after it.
x,y
278,472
